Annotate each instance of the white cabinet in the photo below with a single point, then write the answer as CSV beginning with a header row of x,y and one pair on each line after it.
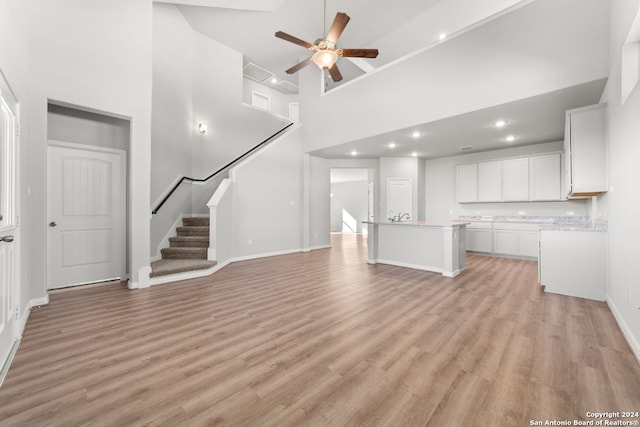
x,y
585,152
573,263
479,237
528,244
467,181
516,180
522,179
516,239
544,177
490,181
505,242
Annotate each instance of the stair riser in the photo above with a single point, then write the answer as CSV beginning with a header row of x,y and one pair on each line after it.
x,y
176,253
199,222
192,231
187,244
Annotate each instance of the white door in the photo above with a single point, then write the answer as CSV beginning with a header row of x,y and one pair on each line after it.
x,y
86,214
399,197
9,231
294,112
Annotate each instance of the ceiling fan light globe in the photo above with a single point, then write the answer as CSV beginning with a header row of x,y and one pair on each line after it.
x,y
325,58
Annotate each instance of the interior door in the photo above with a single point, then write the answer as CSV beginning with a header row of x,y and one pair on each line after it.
x,y
86,211
399,197
9,260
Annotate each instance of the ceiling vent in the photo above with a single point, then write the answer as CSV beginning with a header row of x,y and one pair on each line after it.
x,y
288,86
258,74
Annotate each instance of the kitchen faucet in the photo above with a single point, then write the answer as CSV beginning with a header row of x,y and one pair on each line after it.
x,y
402,216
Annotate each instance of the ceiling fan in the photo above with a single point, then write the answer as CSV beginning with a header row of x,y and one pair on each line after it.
x,y
325,52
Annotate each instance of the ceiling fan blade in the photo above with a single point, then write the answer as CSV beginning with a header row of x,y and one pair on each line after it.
x,y
335,73
337,27
288,37
359,53
299,66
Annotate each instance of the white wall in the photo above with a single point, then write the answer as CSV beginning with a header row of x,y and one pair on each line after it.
x,y
81,127
353,198
267,200
78,58
525,53
400,167
173,127
196,80
441,190
279,101
622,203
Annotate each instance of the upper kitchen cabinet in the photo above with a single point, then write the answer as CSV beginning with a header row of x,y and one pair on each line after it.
x,y
585,152
544,177
467,180
516,180
490,181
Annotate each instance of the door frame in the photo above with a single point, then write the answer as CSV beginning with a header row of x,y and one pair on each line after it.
x,y
19,320
125,168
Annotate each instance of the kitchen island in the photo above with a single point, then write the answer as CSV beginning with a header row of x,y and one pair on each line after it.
x,y
432,246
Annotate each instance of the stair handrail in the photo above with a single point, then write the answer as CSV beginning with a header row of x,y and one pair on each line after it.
x,y
231,163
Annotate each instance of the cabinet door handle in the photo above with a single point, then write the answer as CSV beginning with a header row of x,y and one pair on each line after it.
x,y
6,239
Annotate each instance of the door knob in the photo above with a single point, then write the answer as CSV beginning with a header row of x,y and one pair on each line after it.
x,y
52,224
6,239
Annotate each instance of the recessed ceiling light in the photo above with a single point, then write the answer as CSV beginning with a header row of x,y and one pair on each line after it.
x,y
415,134
442,36
274,80
392,145
510,138
354,153
500,123
414,154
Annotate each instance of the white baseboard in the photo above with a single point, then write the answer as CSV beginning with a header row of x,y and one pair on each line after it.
x,y
626,331
408,265
144,281
313,248
7,362
22,323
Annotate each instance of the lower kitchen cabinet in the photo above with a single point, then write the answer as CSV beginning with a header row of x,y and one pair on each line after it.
x,y
479,237
573,263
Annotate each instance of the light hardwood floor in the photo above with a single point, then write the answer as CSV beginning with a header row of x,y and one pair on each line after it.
x,y
321,338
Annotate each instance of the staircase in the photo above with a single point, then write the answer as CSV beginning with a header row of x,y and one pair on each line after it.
x,y
187,251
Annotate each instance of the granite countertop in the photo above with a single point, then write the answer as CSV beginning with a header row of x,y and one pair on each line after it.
x,y
421,223
564,223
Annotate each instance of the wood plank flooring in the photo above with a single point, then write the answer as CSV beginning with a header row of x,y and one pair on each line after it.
x,y
321,338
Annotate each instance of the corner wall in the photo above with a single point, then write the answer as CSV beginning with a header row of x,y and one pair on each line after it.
x,y
622,202
90,65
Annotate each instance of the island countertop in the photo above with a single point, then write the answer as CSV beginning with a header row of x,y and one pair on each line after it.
x,y
421,223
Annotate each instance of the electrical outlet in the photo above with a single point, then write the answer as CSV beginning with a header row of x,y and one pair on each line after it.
x,y
521,213
250,242
569,213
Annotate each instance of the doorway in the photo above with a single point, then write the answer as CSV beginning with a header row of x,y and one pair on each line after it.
x,y
351,203
87,187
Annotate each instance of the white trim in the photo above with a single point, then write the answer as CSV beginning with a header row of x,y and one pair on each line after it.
x,y
626,331
313,248
86,147
22,323
8,360
408,265
169,278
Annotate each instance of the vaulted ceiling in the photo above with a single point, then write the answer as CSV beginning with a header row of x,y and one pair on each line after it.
x,y
397,29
